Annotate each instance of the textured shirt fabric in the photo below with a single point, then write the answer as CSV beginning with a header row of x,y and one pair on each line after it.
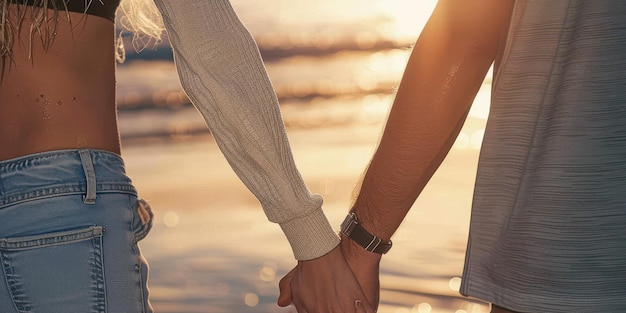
x,y
548,225
222,72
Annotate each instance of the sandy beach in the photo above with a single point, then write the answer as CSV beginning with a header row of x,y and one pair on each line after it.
x,y
212,249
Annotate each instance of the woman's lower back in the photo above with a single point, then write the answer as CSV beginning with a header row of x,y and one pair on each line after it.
x,y
62,97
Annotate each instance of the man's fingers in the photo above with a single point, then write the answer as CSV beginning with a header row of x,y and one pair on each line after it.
x,y
361,306
285,298
358,307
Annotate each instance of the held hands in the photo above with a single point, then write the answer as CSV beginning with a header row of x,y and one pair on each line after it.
x,y
343,281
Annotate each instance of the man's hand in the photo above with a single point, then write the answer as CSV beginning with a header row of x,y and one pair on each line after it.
x,y
325,284
365,266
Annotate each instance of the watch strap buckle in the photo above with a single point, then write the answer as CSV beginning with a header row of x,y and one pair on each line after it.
x,y
371,247
348,224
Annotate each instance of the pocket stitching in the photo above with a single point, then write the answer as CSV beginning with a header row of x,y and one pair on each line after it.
x,y
46,240
93,234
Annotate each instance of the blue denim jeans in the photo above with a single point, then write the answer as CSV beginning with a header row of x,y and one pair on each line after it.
x,y
70,221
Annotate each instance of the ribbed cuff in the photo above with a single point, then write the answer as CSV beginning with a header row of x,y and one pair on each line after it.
x,y
310,236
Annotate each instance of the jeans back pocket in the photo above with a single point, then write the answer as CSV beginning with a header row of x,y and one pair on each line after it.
x,y
56,272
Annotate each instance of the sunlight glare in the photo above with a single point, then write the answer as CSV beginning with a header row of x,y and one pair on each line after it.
x,y
477,138
462,141
408,17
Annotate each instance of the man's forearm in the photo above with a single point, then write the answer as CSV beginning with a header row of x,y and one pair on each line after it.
x,y
415,142
445,71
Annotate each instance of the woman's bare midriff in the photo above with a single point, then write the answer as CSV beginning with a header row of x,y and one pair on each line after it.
x,y
62,98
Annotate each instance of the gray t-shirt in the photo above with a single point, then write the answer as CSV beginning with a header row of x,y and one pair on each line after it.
x,y
548,226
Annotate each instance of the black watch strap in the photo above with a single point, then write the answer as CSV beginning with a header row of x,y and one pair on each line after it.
x,y
353,230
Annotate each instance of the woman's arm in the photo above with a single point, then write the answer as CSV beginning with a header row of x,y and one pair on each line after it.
x,y
222,72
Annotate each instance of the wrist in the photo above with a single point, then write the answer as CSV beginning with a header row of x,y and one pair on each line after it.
x,y
310,236
351,228
353,251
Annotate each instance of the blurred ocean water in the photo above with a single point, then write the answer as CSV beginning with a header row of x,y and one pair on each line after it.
x,y
331,62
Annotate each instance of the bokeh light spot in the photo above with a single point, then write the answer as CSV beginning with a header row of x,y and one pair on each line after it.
x,y
171,219
267,273
455,283
422,308
251,299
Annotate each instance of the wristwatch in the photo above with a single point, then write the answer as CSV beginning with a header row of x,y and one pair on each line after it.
x,y
353,230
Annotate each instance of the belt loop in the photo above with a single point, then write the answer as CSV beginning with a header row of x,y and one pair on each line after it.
x,y
90,175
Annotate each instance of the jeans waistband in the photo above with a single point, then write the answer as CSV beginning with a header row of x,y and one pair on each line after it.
x,y
61,172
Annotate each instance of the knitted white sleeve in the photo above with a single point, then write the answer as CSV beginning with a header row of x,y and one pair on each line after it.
x,y
221,71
